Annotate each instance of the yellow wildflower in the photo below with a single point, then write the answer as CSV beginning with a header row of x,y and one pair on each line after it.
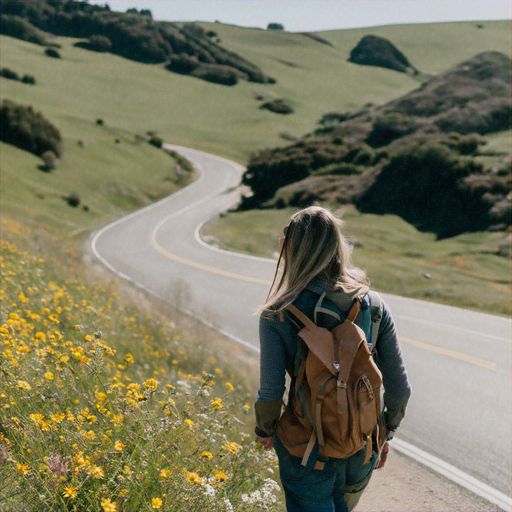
x,y
40,335
109,506
216,404
22,384
58,417
165,473
170,387
232,447
229,386
220,476
22,468
118,445
48,376
194,478
156,502
64,359
90,435
129,358
206,455
69,492
97,472
189,422
150,384
36,417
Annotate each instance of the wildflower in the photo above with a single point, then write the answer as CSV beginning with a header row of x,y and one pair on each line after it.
x,y
246,407
216,404
58,417
40,336
232,447
206,455
14,316
109,506
189,422
36,417
48,376
91,419
127,470
22,468
64,359
69,492
129,358
194,478
170,387
97,472
90,435
156,502
117,419
220,476
87,337
22,384
150,384
100,396
229,386
165,473
118,445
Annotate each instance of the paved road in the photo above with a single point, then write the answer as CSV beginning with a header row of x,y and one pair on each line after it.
x,y
459,362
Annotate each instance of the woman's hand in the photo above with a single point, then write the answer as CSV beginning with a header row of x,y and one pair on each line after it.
x,y
266,442
383,455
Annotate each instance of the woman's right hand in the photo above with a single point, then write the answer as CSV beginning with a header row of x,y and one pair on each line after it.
x,y
266,442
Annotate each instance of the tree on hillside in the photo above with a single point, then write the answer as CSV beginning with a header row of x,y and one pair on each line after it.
x,y
275,26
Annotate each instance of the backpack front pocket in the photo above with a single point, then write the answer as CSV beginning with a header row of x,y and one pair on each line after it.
x,y
366,405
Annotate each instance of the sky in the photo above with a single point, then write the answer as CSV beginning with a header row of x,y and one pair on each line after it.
x,y
314,15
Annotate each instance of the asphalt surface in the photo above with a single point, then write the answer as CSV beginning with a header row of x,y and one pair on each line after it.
x,y
459,361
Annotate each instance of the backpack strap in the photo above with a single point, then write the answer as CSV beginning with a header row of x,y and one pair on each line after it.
x,y
308,324
376,316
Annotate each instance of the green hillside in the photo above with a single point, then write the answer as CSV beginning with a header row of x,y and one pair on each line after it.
x,y
224,119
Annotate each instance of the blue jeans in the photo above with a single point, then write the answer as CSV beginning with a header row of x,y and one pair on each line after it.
x,y
324,490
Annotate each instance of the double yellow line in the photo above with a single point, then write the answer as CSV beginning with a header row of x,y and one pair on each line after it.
x,y
213,270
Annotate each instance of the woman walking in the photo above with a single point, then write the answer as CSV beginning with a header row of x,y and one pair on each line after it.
x,y
320,288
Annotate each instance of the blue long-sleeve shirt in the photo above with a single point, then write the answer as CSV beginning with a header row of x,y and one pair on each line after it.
x,y
278,344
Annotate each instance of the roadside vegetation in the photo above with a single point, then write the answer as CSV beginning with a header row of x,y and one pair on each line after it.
x,y
470,270
113,402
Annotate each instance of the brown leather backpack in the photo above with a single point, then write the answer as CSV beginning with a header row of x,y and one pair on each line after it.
x,y
335,395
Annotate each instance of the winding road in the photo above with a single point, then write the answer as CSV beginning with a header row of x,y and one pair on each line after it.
x,y
459,361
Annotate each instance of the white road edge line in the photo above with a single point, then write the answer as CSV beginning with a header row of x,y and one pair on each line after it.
x,y
452,473
455,475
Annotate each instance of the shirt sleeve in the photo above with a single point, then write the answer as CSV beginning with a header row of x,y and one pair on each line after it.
x,y
397,389
272,376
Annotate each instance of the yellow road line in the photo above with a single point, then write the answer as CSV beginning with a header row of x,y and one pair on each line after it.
x,y
444,351
206,268
451,353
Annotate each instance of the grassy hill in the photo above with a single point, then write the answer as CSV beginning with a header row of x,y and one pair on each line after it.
x,y
132,97
227,120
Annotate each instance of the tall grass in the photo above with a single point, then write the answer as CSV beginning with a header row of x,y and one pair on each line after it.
x,y
105,406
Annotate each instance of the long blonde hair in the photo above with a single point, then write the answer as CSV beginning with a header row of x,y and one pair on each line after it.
x,y
314,246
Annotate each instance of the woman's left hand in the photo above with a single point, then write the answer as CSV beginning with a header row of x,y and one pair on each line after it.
x,y
266,442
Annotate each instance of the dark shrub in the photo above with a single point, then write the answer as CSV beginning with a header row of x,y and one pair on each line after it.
x,y
377,51
28,79
430,188
27,129
20,28
49,160
100,122
388,127
464,144
223,75
9,73
278,106
183,64
156,141
52,52
96,43
211,33
275,26
73,199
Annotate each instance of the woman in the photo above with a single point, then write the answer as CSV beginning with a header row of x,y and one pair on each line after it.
x,y
316,259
